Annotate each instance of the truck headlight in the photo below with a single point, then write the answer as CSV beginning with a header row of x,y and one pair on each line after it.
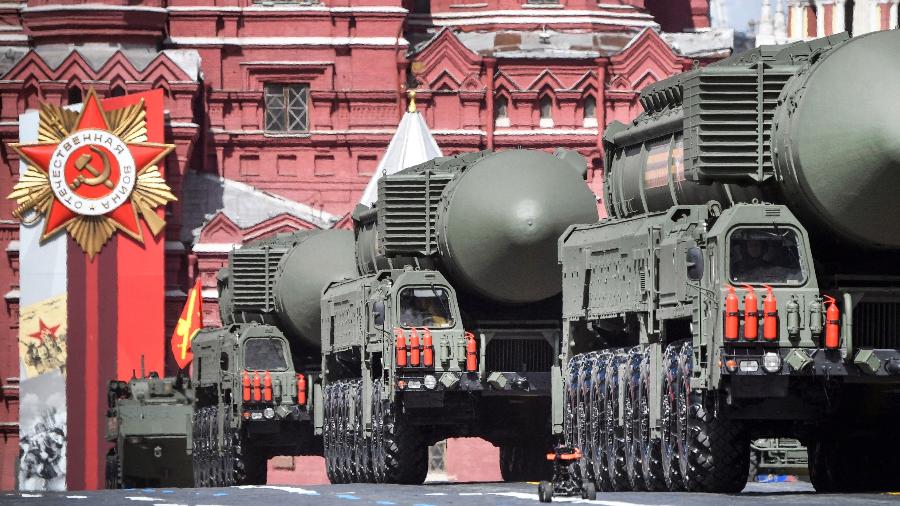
x,y
430,382
269,413
771,362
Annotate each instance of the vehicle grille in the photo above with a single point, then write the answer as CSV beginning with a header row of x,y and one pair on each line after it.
x,y
253,277
519,355
876,325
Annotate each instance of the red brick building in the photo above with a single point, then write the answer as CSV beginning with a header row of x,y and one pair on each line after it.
x,y
280,110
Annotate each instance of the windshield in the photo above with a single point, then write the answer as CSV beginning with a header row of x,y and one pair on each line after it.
x,y
425,307
264,354
766,255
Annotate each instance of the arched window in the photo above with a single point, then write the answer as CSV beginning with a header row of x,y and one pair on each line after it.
x,y
501,111
74,95
590,111
546,105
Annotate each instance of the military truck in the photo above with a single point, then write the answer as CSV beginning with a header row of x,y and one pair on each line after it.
x,y
459,254
453,325
777,455
745,284
147,418
254,377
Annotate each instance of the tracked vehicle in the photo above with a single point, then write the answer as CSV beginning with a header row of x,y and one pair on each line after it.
x,y
147,421
745,285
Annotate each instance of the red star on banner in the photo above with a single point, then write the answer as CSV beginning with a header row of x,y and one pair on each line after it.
x,y
44,332
93,117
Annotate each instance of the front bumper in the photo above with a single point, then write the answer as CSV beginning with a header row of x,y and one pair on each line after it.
x,y
810,362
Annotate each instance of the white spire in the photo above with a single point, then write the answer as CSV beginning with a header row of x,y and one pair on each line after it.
x,y
780,23
719,14
765,32
412,144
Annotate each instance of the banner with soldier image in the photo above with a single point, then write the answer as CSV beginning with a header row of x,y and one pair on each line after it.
x,y
42,337
42,438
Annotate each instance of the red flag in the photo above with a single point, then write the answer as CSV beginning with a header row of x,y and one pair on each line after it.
x,y
189,324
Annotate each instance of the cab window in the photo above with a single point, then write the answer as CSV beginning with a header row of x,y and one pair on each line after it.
x,y
765,256
264,354
425,307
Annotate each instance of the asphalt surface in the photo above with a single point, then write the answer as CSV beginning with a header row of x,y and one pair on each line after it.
x,y
433,494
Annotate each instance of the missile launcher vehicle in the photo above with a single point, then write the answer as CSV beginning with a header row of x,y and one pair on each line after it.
x,y
746,283
147,421
254,376
452,327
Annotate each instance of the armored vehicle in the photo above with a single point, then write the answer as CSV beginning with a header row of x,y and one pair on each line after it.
x,y
146,421
452,327
745,284
254,377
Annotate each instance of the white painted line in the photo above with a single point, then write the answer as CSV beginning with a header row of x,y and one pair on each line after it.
x,y
144,498
32,495
289,490
76,497
534,497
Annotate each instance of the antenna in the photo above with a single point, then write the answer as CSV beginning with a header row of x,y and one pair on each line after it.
x,y
142,365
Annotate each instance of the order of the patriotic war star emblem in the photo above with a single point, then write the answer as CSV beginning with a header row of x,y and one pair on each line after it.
x,y
92,173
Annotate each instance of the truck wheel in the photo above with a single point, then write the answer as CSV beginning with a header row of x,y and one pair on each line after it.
x,y
250,464
216,461
345,435
714,452
633,421
361,447
405,451
754,465
545,491
112,470
328,439
198,448
835,465
648,446
668,419
377,441
570,408
599,470
583,419
614,447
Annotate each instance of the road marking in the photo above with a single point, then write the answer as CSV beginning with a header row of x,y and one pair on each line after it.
x,y
347,496
76,497
32,495
143,498
385,503
534,497
289,490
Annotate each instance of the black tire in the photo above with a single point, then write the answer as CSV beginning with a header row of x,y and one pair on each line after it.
x,y
582,418
668,419
753,469
599,470
614,443
714,452
545,491
113,480
198,447
377,441
570,408
836,466
648,445
633,467
328,433
362,447
405,451
589,491
250,464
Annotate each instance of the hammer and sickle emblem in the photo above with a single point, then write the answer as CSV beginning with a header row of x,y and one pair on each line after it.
x,y
83,162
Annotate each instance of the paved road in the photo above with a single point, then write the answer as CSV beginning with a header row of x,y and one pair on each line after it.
x,y
470,494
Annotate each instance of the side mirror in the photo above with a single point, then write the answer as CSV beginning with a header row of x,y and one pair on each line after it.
x,y
694,261
378,310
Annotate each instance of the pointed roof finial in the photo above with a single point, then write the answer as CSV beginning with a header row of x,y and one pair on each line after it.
x,y
411,95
